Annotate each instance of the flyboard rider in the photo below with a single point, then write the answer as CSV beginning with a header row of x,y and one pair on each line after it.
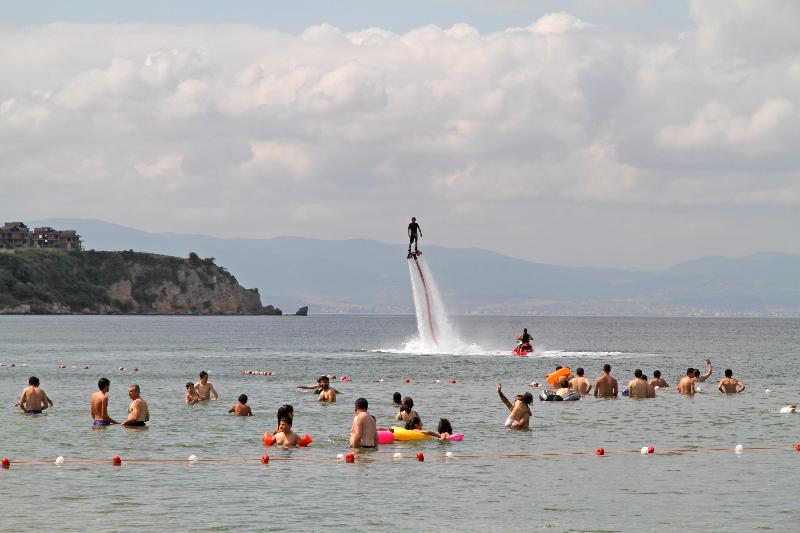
x,y
414,231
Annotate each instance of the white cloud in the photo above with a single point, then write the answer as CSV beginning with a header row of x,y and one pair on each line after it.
x,y
310,133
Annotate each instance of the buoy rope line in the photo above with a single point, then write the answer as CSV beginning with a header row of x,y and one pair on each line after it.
x,y
395,456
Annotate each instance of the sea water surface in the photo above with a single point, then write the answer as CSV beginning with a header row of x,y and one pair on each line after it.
x,y
497,480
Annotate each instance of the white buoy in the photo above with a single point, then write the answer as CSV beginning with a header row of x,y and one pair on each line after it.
x,y
438,381
398,456
59,460
448,455
739,448
767,391
657,387
381,380
643,451
193,459
339,457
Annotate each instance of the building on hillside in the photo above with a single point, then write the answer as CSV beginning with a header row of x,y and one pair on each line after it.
x,y
18,235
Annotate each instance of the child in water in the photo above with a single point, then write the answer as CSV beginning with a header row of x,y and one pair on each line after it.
x,y
445,429
191,394
241,408
285,436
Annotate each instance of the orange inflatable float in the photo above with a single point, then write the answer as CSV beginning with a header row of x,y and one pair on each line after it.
x,y
555,377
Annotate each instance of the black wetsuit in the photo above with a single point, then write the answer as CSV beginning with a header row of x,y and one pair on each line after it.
x,y
413,228
525,338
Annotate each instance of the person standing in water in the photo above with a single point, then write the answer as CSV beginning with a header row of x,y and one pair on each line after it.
x,y
414,232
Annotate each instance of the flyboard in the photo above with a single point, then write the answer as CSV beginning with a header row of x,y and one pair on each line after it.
x,y
415,257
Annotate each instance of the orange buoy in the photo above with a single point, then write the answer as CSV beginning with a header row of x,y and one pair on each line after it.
x,y
267,438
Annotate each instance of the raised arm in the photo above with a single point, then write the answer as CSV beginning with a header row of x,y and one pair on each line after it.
x,y
708,371
503,397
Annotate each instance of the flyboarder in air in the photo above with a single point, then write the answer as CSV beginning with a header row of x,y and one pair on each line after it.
x,y
413,229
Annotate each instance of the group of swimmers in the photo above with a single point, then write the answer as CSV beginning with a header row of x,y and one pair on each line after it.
x,y
34,400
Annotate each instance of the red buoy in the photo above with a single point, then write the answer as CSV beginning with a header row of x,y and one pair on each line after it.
x,y
453,381
136,369
116,461
408,380
600,451
5,463
651,449
798,446
420,456
350,458
265,459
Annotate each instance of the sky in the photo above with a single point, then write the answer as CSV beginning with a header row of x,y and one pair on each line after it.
x,y
632,134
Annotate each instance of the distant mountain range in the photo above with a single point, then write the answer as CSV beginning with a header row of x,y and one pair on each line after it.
x,y
364,276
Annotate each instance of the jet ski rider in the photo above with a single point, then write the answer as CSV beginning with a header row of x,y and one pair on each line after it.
x,y
525,341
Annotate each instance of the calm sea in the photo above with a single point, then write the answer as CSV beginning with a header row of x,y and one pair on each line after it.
x,y
485,487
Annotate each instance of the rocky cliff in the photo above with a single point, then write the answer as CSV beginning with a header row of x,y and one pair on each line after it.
x,y
34,281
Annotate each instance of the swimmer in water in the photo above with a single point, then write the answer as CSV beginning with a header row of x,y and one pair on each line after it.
x,y
686,384
99,404
204,388
703,377
563,390
318,387
657,381
327,393
606,386
729,384
415,424
397,399
285,436
284,410
445,428
138,413
520,415
580,383
34,400
241,408
406,410
637,387
191,394
364,432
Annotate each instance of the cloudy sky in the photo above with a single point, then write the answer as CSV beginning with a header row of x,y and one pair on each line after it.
x,y
633,133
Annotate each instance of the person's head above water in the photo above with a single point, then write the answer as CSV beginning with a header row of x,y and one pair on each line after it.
x,y
414,423
189,385
637,373
408,401
203,375
285,424
643,377
656,374
728,373
606,368
527,398
397,398
362,404
33,381
579,371
444,426
696,373
243,398
103,383
690,371
285,410
324,381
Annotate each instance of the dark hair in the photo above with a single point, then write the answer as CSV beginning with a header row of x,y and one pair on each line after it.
x,y
102,383
579,371
656,373
697,372
527,398
203,374
361,403
408,401
284,411
397,398
564,383
323,378
33,380
728,373
559,367
637,373
690,371
243,398
405,408
644,377
189,385
286,420
412,422
606,368
444,426
525,330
